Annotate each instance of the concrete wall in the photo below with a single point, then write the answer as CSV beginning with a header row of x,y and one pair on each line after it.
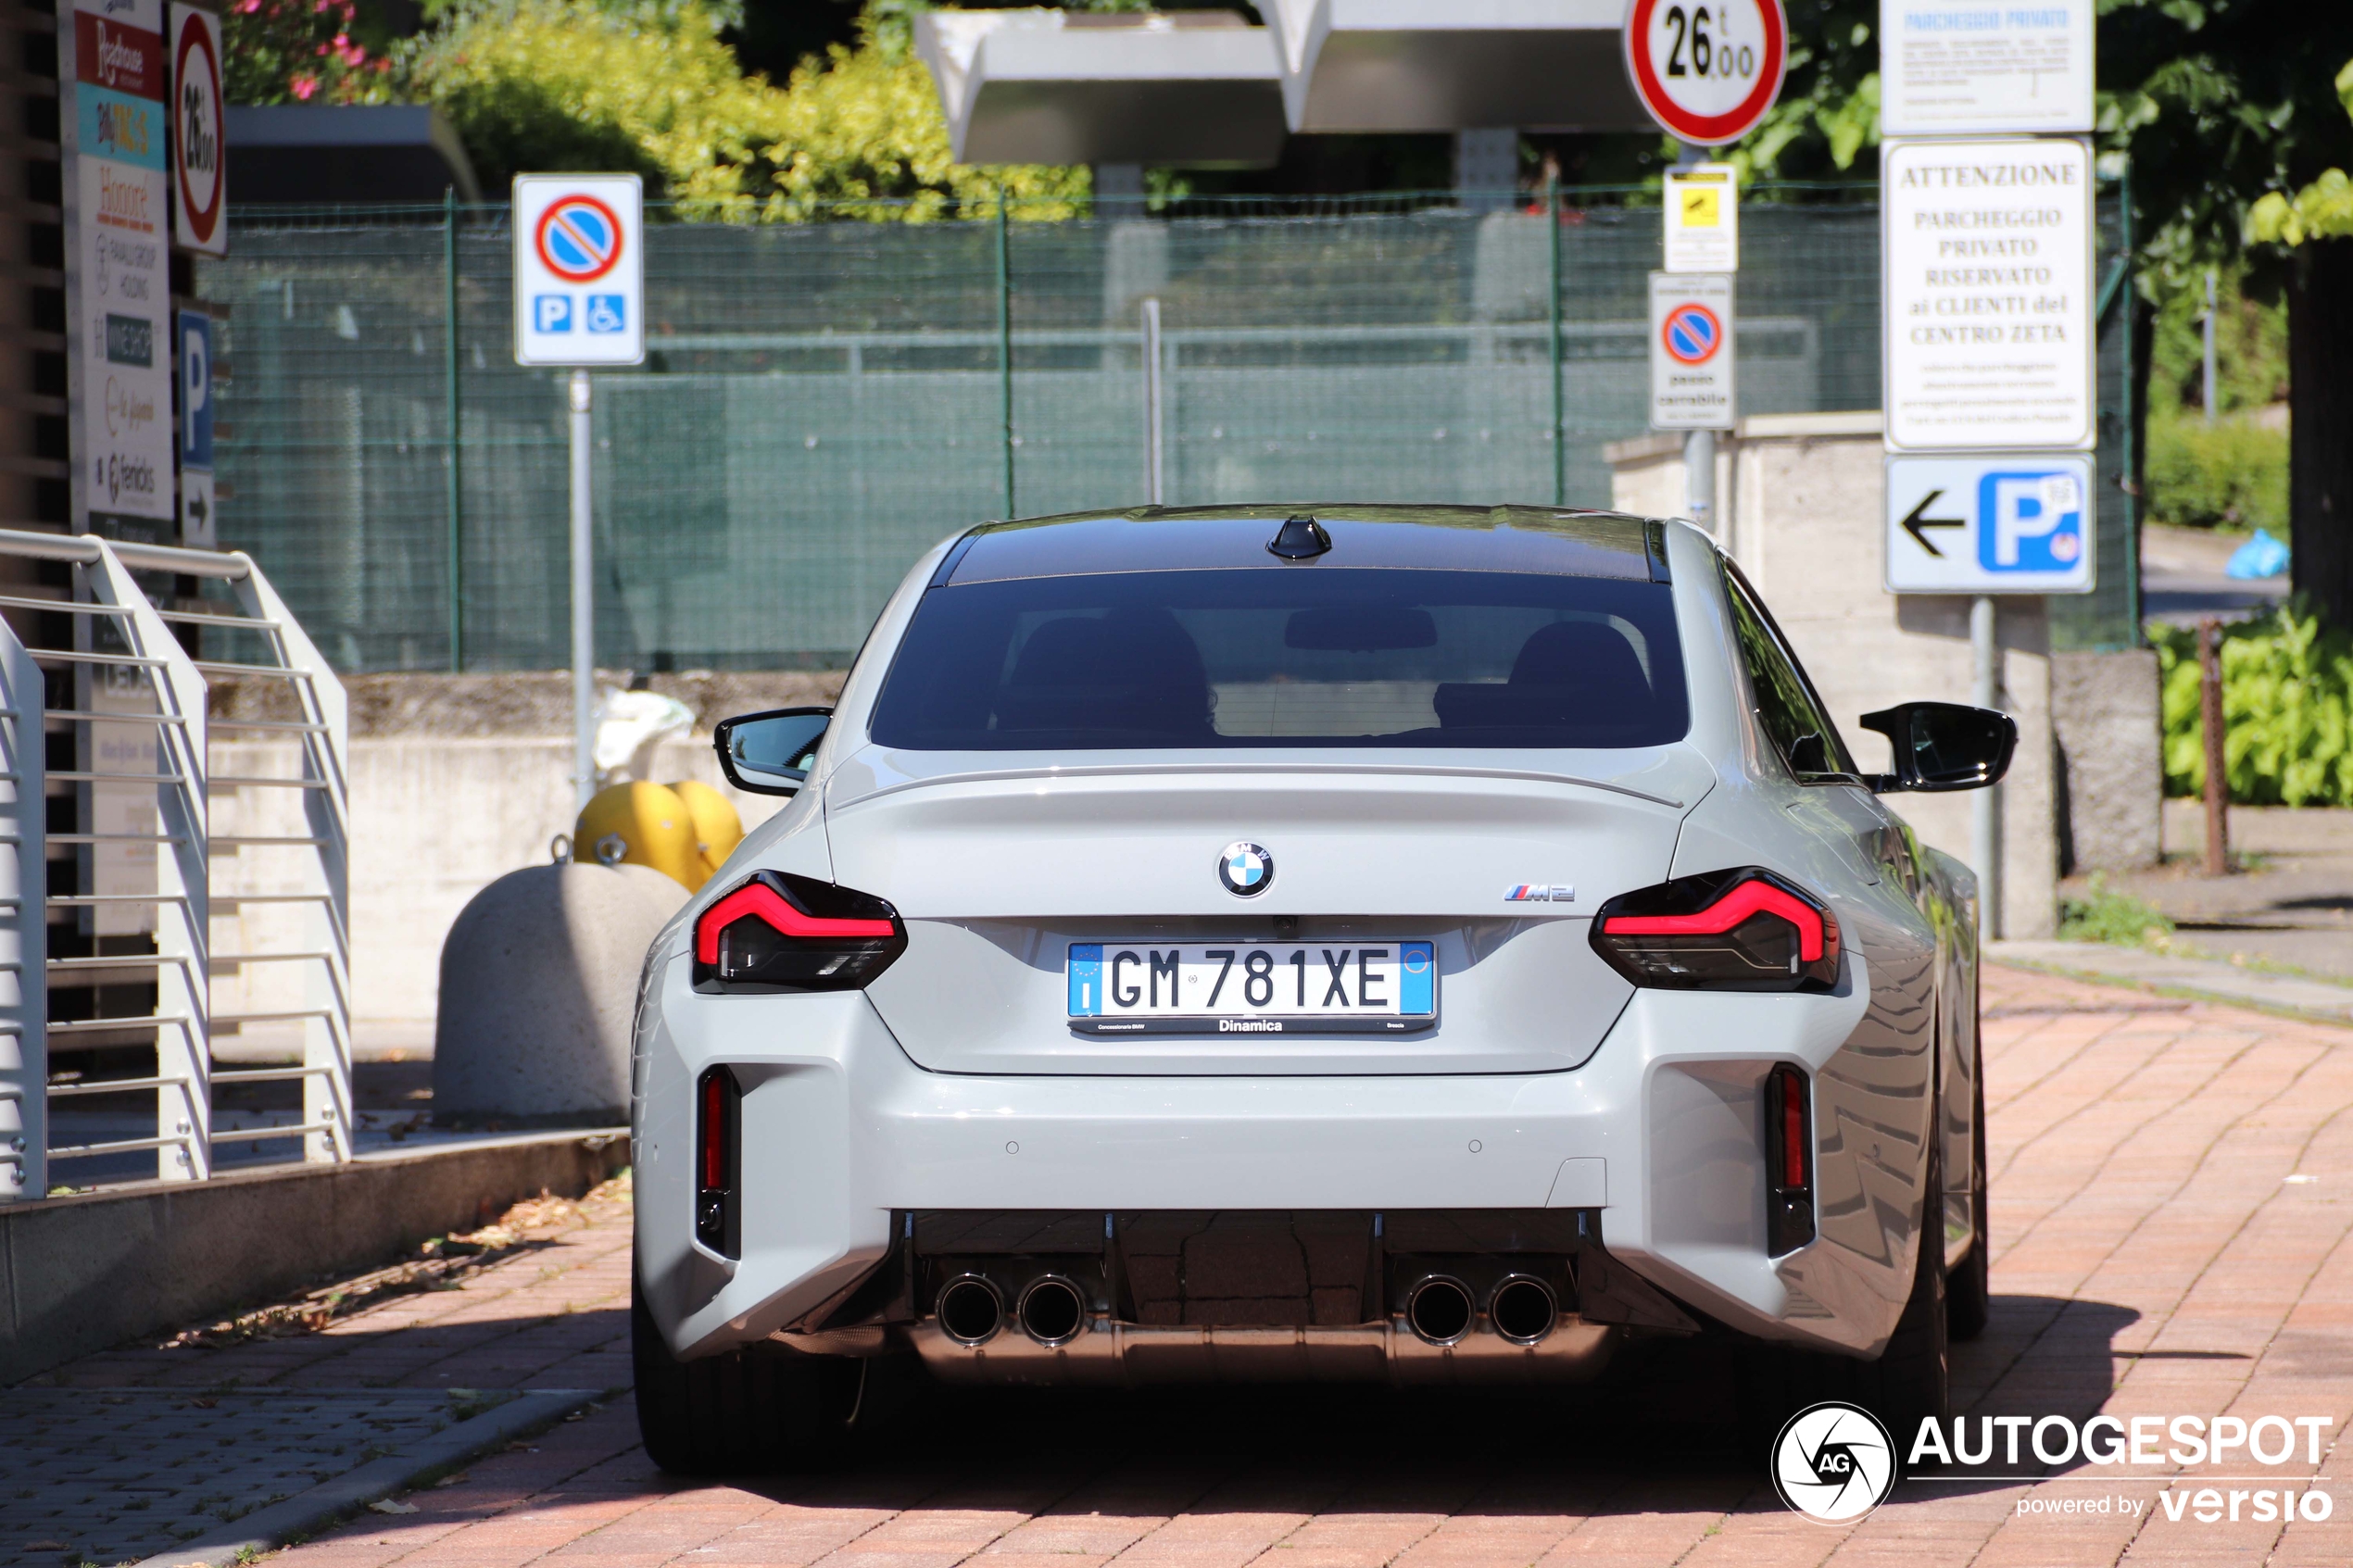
x,y
82,1274
2106,709
1802,504
455,781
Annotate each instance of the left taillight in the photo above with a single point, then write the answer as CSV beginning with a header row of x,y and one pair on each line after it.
x,y
784,931
718,1161
1746,929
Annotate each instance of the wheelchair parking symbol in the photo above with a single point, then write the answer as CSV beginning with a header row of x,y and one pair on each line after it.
x,y
608,313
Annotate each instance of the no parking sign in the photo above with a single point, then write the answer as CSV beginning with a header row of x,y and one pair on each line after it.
x,y
580,269
1691,351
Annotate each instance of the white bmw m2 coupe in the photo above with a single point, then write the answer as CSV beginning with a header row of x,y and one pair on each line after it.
x,y
1438,945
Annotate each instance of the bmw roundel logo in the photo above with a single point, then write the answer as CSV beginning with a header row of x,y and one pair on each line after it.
x,y
1245,868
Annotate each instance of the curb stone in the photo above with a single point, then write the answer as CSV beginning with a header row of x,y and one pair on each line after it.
x,y
2204,980
267,1529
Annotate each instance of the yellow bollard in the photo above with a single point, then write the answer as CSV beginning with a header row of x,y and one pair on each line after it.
x,y
648,825
717,827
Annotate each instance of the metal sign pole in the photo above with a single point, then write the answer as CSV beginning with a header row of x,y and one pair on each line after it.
x,y
1985,805
580,300
584,603
1699,446
1154,456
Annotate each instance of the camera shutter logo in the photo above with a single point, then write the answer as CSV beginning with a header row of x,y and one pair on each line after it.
x,y
1833,1462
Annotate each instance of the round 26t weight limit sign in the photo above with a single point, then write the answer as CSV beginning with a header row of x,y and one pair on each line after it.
x,y
1707,71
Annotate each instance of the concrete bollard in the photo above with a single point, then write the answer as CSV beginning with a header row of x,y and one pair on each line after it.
x,y
538,984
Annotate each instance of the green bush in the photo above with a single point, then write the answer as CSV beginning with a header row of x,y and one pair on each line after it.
x,y
2228,474
2104,915
2288,711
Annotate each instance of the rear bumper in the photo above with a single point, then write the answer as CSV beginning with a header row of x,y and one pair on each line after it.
x,y
1660,1130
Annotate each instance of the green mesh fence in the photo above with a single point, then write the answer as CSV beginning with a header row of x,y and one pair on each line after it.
x,y
823,402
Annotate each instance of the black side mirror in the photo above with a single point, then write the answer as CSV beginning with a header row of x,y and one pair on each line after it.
x,y
1943,746
770,753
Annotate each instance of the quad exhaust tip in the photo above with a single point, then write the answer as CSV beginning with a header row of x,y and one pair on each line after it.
x,y
1439,1310
971,1311
1052,1311
1523,1309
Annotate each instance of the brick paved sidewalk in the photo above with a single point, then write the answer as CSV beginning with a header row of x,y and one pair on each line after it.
x,y
2170,1212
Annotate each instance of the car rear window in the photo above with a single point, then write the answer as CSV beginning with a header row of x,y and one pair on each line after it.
x,y
1312,656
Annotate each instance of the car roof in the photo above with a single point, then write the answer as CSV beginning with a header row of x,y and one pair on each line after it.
x,y
1557,541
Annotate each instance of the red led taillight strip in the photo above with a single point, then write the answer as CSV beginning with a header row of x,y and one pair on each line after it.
x,y
759,898
713,1131
1814,930
1793,1140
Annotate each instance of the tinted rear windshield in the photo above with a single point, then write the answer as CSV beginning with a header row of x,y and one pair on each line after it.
x,y
1287,656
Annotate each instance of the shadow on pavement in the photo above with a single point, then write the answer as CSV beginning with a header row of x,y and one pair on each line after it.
x,y
1660,1431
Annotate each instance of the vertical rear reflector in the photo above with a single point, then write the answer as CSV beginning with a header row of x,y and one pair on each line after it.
x,y
1789,1160
718,1134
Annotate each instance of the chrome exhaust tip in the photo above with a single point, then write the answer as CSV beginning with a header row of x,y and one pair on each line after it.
x,y
1052,1311
1438,1310
1523,1309
970,1310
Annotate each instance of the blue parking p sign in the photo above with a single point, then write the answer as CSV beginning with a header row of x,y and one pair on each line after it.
x,y
2013,522
2030,520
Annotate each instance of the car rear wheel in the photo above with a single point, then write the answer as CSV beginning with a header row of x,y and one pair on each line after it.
x,y
745,1411
1969,1289
1909,1383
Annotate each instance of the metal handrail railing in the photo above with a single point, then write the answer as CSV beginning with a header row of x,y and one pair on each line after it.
x,y
183,1019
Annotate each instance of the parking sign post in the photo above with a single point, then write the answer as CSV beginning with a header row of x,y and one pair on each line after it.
x,y
580,295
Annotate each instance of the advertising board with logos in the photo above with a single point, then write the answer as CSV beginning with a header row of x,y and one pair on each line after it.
x,y
144,173
119,217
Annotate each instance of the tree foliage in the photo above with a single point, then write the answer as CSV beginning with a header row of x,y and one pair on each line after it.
x,y
298,51
2288,711
557,84
652,86
1828,113
2220,104
2322,210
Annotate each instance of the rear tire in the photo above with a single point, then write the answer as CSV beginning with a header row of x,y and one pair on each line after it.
x,y
1908,1384
742,1413
1911,1382
1968,1290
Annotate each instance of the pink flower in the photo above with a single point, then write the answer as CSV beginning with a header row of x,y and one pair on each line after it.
x,y
304,86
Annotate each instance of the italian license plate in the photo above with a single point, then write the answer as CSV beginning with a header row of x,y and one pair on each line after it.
x,y
1252,988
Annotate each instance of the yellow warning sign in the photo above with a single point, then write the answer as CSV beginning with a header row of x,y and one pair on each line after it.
x,y
1703,219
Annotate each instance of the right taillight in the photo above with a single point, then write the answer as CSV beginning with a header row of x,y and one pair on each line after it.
x,y
1789,1160
1747,929
782,931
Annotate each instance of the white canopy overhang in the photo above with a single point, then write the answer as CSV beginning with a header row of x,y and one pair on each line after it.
x,y
1455,64
1048,86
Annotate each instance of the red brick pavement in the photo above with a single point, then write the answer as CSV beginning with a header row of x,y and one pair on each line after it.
x,y
2153,1257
